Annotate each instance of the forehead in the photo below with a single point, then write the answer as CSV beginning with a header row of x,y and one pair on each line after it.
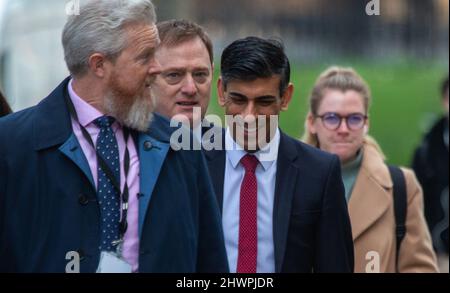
x,y
256,88
142,35
191,52
342,102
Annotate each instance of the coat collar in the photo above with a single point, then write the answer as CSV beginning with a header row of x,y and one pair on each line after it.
x,y
371,196
52,115
160,128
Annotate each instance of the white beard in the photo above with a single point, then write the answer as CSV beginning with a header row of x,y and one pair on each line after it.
x,y
139,115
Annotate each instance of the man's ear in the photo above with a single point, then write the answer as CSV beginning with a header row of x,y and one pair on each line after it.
x,y
287,97
220,92
97,64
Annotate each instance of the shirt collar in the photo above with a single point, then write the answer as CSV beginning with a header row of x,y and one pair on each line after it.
x,y
355,164
266,156
86,113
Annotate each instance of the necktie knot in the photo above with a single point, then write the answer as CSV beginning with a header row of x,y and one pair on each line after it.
x,y
250,163
104,121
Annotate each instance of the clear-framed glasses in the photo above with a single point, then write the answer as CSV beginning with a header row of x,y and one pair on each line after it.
x,y
332,121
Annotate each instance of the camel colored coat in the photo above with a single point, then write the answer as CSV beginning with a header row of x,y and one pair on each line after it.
x,y
373,223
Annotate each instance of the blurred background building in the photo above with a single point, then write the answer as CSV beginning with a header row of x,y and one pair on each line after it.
x,y
313,31
318,29
402,52
31,54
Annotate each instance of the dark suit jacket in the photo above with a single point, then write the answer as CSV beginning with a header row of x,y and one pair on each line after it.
x,y
311,226
431,166
48,203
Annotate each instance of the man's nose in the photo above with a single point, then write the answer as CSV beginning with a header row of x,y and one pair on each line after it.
x,y
250,115
250,110
189,87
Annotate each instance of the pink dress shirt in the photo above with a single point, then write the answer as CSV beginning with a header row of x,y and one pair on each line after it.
x,y
86,115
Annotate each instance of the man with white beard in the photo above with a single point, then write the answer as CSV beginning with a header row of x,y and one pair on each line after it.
x,y
88,181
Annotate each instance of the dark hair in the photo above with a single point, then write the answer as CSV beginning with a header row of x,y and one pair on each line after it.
x,y
174,32
252,58
444,87
4,107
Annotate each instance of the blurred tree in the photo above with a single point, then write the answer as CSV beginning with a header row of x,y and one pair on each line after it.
x,y
169,9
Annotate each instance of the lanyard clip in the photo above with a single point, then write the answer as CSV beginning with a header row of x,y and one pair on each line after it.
x,y
119,246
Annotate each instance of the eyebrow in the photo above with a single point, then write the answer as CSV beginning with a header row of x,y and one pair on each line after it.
x,y
184,69
202,68
238,95
174,69
266,97
146,51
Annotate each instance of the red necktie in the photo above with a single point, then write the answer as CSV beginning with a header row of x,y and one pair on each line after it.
x,y
248,232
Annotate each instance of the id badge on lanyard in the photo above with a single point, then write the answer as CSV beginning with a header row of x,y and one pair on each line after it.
x,y
113,262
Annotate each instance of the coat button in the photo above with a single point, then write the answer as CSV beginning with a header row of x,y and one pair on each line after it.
x,y
83,200
148,145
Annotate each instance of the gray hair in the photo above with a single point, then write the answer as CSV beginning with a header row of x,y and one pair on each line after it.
x,y
100,28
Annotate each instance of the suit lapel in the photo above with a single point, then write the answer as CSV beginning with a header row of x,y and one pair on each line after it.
x,y
370,198
53,127
72,149
153,148
286,180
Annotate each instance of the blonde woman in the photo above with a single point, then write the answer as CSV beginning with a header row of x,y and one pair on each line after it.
x,y
338,122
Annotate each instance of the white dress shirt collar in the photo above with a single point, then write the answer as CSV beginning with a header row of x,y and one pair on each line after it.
x,y
235,152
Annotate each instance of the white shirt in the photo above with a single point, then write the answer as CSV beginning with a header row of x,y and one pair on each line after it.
x,y
266,176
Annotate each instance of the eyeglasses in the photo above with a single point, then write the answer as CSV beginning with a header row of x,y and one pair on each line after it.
x,y
332,121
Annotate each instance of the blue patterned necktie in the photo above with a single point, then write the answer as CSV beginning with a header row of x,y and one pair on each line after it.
x,y
108,197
